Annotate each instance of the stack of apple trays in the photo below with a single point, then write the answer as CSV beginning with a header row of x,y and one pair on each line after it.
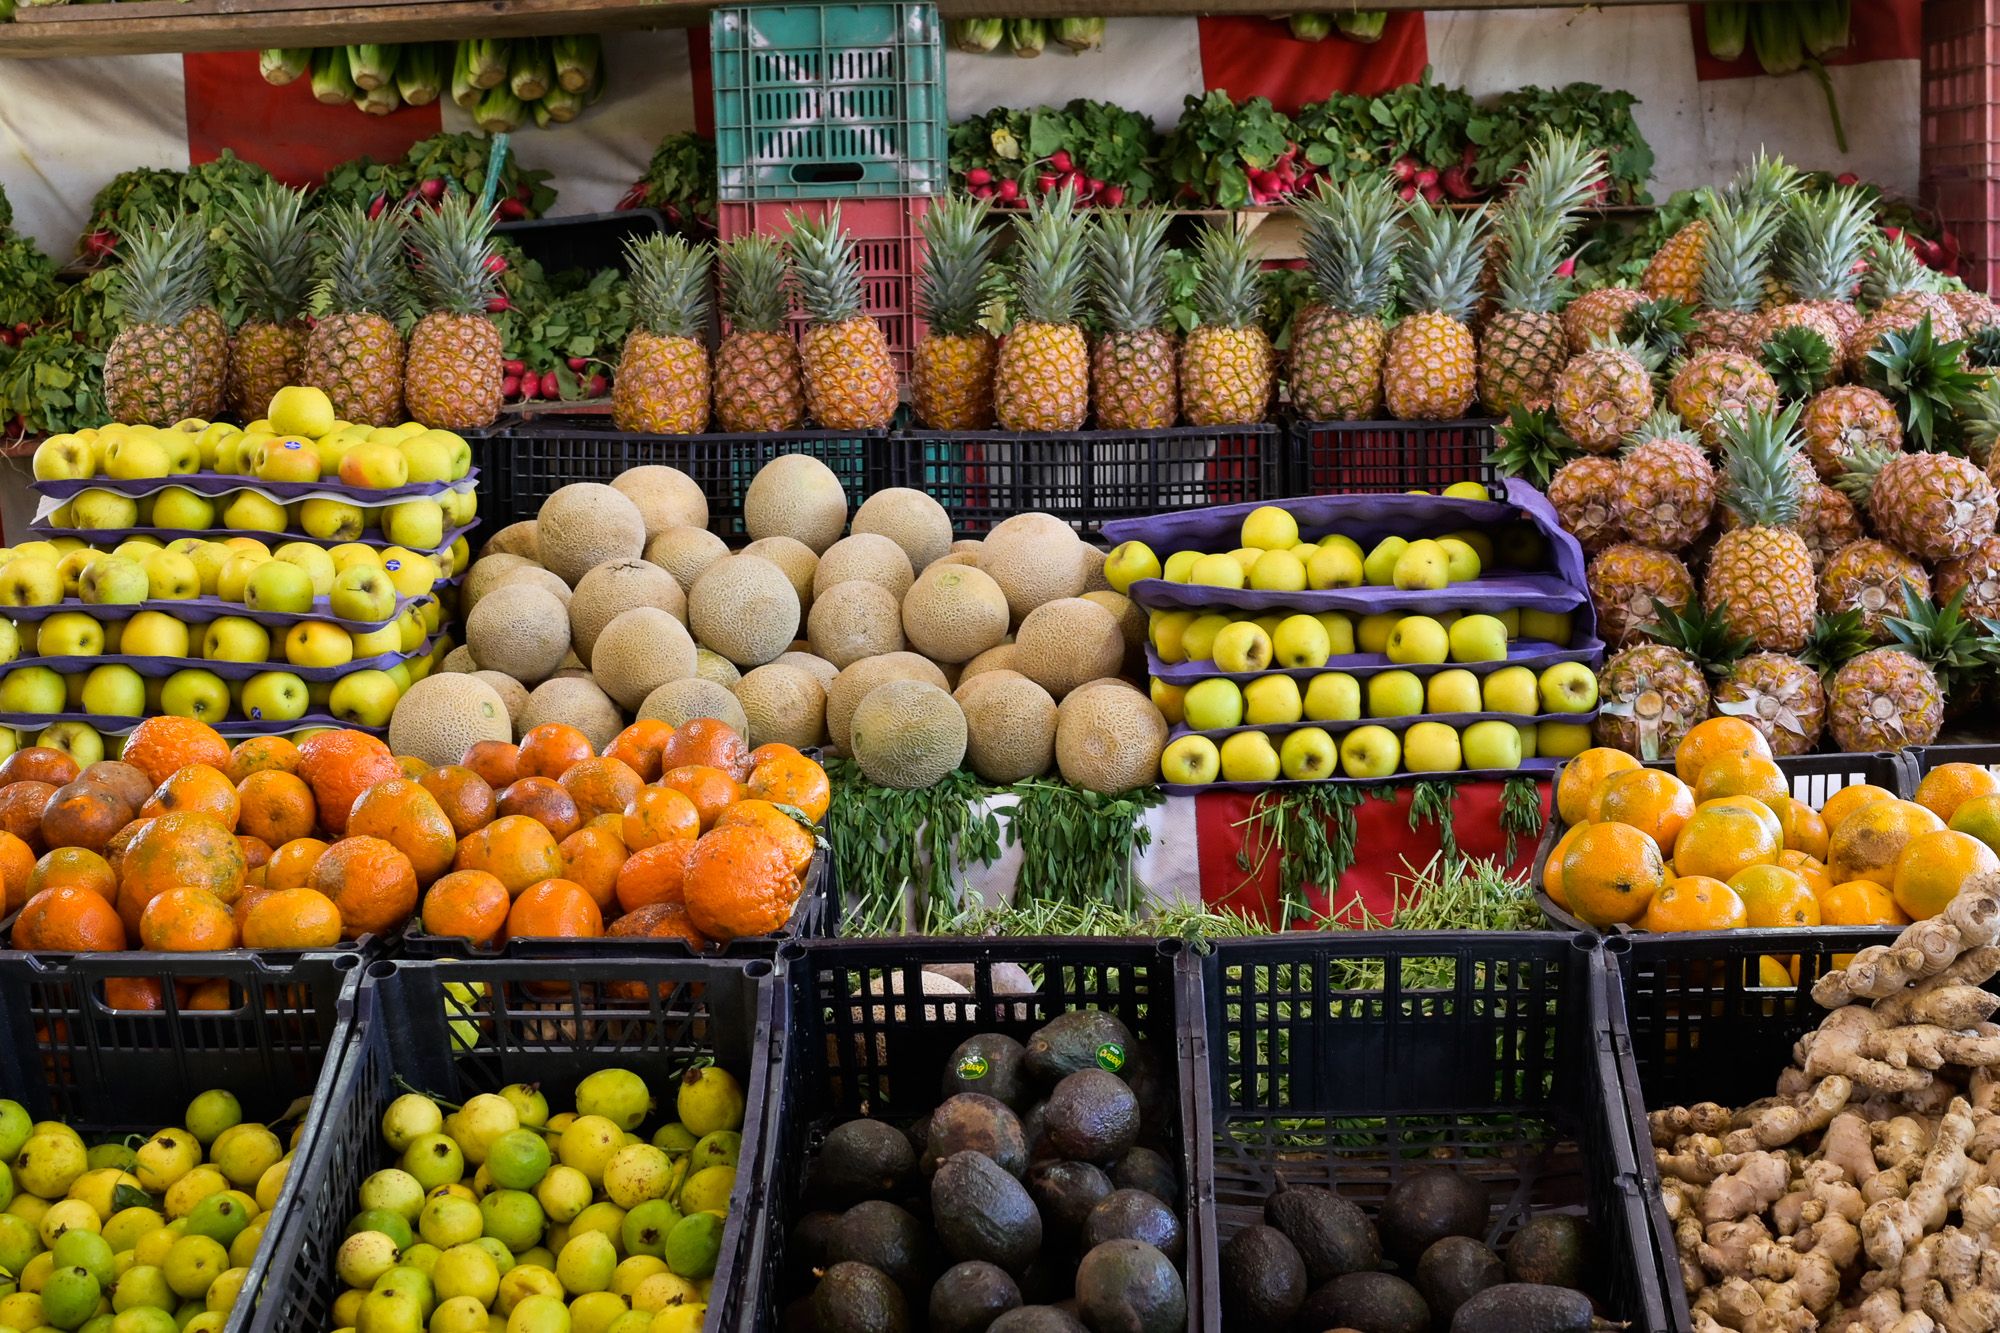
x,y
263,583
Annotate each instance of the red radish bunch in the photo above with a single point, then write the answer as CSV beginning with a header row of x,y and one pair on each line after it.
x,y
100,243
633,198
1284,177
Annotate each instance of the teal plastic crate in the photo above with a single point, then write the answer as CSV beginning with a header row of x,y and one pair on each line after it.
x,y
828,100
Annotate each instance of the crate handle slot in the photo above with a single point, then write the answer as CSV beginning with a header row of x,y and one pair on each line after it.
x,y
826,173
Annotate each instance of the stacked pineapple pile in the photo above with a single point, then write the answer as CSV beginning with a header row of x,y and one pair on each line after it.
x,y
1838,569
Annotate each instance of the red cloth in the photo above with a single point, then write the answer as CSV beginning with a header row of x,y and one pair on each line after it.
x,y
702,74
1390,849
1876,30
285,130
1258,57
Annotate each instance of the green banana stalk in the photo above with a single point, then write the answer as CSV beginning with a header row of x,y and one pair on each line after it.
x,y
1362,25
463,90
1029,36
1727,27
559,105
332,80
373,66
418,77
576,59
978,36
487,61
529,74
379,101
1774,36
1080,34
1310,27
499,111
283,64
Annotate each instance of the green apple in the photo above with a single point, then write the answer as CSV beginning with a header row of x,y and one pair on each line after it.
x,y
426,458
399,675
349,554
1278,571
313,560
1529,738
318,643
1190,761
1372,634
1301,641
274,696
1432,747
201,695
1247,756
64,458
79,740
1243,646
1166,697
210,441
1510,620
171,577
1417,640
278,585
1179,566
461,507
179,507
414,523
10,641
1380,566
1452,692
364,698
412,573
1198,638
1561,740
1269,528
30,580
32,690
1510,690
411,626
1466,490
183,450
1308,755
1491,745
235,639
1166,630
1370,752
1547,626
1568,687
154,634
136,458
1461,561
1423,566
430,611
103,511
1127,564
1333,566
1395,694
461,453
1213,705
1520,546
1272,701
1217,571
248,511
374,466
113,690
1333,696
332,520
1339,627
287,458
1478,639
300,410
374,643
233,579
71,568
70,634
111,580
1481,544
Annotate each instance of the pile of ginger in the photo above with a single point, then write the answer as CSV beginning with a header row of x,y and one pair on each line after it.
x,y
1864,1196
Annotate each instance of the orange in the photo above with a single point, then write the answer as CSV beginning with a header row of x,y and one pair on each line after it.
x,y
256,856
1849,799
1773,896
114,851
261,754
656,874
1766,815
498,762
1609,874
601,786
39,763
182,850
657,814
130,785
1552,869
1807,869
464,796
790,779
215,993
711,790
657,921
159,746
413,767
1933,867
1807,831
408,818
1580,777
739,881
1949,786
1867,843
639,746
514,849
466,903
371,884
69,919
1722,839
797,841
772,750
1693,902
1654,802
543,800
249,898
292,864
554,909
84,814
1708,741
21,807
187,920
292,919
706,741
74,865
591,860
548,751
277,806
1860,902
141,993
1979,816
341,765
17,863
1742,775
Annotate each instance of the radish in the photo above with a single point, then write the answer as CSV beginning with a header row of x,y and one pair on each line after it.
x,y
1043,184
1458,184
1847,178
1060,160
531,385
578,362
1266,181
1567,269
496,264
1432,193
979,176
432,189
1009,190
1469,155
981,191
513,210
375,207
1428,176
1095,185
510,387
524,192
1406,193
498,304
1114,195
23,330
598,384
1405,168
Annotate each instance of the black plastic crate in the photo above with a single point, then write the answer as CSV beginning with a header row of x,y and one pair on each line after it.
x,y
521,467
1087,478
534,1022
852,1051
589,241
1389,457
1814,777
1344,1059
1924,758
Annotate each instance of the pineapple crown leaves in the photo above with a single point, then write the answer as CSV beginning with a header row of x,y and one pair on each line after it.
x,y
1959,648
164,276
824,267
1561,174
451,244
1352,234
1759,483
1893,269
1226,294
1649,357
1925,379
1764,179
669,280
1532,445
1128,272
1664,424
958,277
755,278
1661,323
1982,347
1732,264
1049,254
1441,267
1835,640
360,264
1800,362
1535,225
1981,421
272,240
1822,238
1703,636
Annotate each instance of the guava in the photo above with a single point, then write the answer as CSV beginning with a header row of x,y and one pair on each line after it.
x,y
513,1218
518,1159
645,1228
637,1173
619,1095
587,1262
394,1189
408,1119
213,1112
528,1102
466,1270
449,1221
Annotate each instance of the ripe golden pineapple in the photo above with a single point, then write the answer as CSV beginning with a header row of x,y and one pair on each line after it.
x,y
1839,420
951,375
1353,232
661,387
1665,491
1524,348
1430,371
1648,698
1833,524
1825,235
850,376
209,334
354,353
274,243
1710,389
1584,493
152,372
452,374
1602,396
1779,695
1762,570
1884,699
1901,289
1975,310
758,383
1134,367
1675,268
1933,506
1228,368
1624,582
1975,578
1598,315
1869,577
1732,277
1043,380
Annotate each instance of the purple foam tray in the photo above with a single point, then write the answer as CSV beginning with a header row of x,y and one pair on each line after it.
x,y
1536,592
239,727
1399,725
160,667
1538,769
112,536
212,484
201,610
1535,654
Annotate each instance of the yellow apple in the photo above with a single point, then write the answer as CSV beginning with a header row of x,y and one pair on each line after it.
x,y
374,465
461,507
425,458
209,558
287,458
1278,571
183,451
318,643
1478,639
1380,566
1455,691
1269,528
64,458
1548,626
248,511
1128,563
235,639
194,693
1167,631
1568,687
241,544
412,626
211,441
1179,566
69,634
1417,640
30,580
1211,705
1339,627
1510,690
1217,571
97,510
1395,694
1461,561
1561,740
1166,697
136,458
418,524
1370,752
313,560
114,690
1272,701
412,574
179,507
1333,567
1308,755
1492,744
300,410
171,577
332,520
278,585
1520,546
364,698
1333,696
232,580
1372,634
1431,747
1190,761
1300,641
1243,646
32,690
79,740
1247,756
70,568
348,554
1466,490
376,642
111,580
1422,566
274,696
154,634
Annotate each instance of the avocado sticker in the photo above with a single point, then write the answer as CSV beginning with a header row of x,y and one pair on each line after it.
x,y
973,1066
1111,1057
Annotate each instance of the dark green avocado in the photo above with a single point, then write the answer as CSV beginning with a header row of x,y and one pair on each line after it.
x,y
1135,1215
1367,1303
982,1212
1144,1169
854,1298
1552,1249
1333,1236
864,1159
970,1296
1065,1192
1127,1286
992,1063
887,1239
1036,1319
1080,1039
1092,1117
974,1122
1425,1207
1455,1270
1263,1281
1526,1307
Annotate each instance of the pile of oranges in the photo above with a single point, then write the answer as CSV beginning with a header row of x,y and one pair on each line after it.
x,y
1720,843
185,844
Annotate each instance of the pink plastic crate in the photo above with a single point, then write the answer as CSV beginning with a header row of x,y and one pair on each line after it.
x,y
1961,130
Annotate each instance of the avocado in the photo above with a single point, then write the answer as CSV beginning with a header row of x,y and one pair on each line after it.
x,y
854,1298
1092,1117
1080,1039
974,1122
864,1159
1127,1286
1527,1307
806,1252
1157,1085
1135,1215
1036,1319
1552,1249
1425,1207
982,1212
1367,1303
1455,1270
1050,1278
797,1316
992,1063
887,1239
971,1296
1332,1234
1263,1281
1144,1169
919,1134
1065,1192
1035,1129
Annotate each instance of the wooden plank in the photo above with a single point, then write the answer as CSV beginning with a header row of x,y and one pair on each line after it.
x,y
127,10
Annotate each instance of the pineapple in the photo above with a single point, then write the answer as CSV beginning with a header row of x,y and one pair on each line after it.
x,y
1602,396
209,333
1043,381
1523,350
1932,506
1532,445
849,374
1627,582
451,375
1133,367
1713,388
1227,365
1762,569
1660,324
1823,237
354,353
1598,315
1974,578
1584,493
1429,372
1353,232
1779,695
1891,697
1839,420
1648,698
1665,492
1675,268
1975,311
152,368
1799,360
758,383
661,387
1926,379
1834,523
1732,276
951,374
1869,577
274,243
1902,291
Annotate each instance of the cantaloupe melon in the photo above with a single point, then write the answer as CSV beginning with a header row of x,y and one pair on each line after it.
x,y
711,665
514,539
868,556
1035,558
908,734
678,701
795,558
1000,657
1093,569
1109,739
854,682
614,587
583,525
485,573
576,701
796,495
639,651
1010,726
666,497
686,553
853,620
784,704
1132,624
968,546
911,519
813,665
519,630
459,660
744,608
442,715
953,613
1066,642
512,692
534,576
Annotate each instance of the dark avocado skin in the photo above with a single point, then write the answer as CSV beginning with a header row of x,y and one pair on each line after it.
x,y
1092,1117
1367,1303
982,1212
1553,1250
1144,1169
864,1159
1263,1281
1333,1236
1425,1207
1065,1192
974,1122
992,1063
1036,1319
807,1250
887,1239
1071,1042
1135,1215
854,1298
1455,1270
1524,1307
970,1296
1127,1286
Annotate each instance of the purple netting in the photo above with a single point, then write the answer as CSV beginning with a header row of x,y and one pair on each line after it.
x,y
1530,653
212,484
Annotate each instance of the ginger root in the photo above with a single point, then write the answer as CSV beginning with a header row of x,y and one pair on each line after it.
x,y
1892,1226
1839,1046
1759,1180
1776,1126
1970,921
